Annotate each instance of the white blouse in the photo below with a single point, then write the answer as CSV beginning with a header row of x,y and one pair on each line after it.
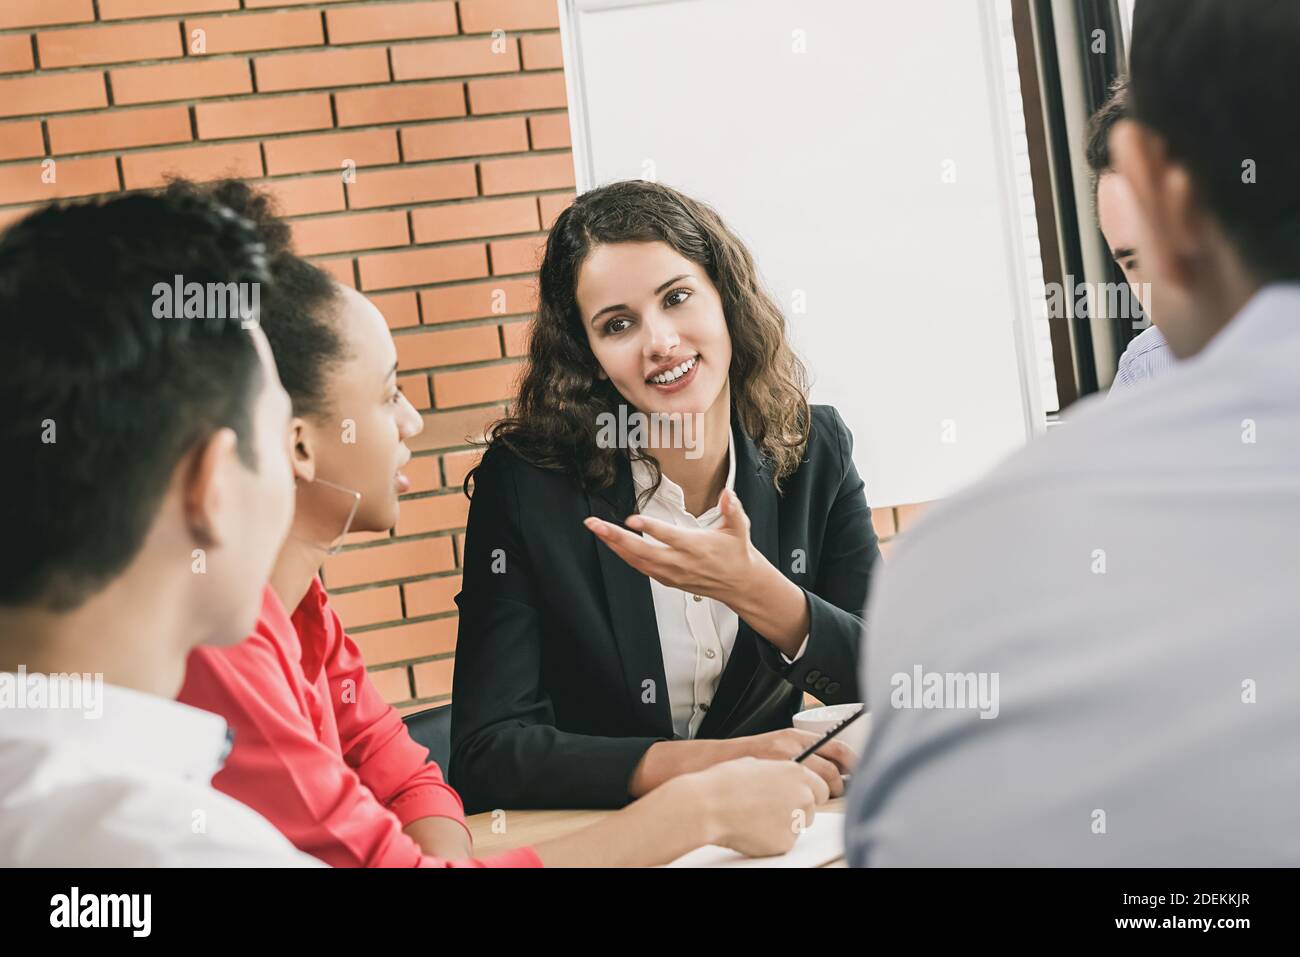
x,y
696,634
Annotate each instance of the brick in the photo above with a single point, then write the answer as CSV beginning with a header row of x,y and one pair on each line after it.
x,y
21,139
474,56
334,234
456,465
340,269
423,473
41,13
360,566
419,184
14,213
24,183
259,116
526,173
461,427
436,224
907,515
398,104
882,520
550,131
473,386
392,684
551,205
505,297
369,607
484,16
257,31
416,389
127,9
540,91
465,138
390,21
331,68
56,93
146,170
435,513
119,129
516,255
307,154
109,44
16,53
262,4
433,677
468,220
403,642
180,81
432,596
542,51
418,266
425,350
515,336
400,309
307,195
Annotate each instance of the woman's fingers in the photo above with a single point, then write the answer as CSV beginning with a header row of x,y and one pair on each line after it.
x,y
828,772
661,531
633,549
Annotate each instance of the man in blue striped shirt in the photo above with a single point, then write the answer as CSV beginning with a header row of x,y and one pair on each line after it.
x,y
1148,354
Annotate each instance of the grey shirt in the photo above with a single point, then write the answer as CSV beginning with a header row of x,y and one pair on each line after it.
x,y
1133,580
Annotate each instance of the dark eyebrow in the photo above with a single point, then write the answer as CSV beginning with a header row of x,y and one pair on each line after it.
x,y
1123,253
623,305
392,370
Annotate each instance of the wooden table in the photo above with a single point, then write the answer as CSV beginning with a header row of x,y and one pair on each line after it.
x,y
533,827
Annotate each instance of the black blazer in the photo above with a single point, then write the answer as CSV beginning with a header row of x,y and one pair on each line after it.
x,y
550,706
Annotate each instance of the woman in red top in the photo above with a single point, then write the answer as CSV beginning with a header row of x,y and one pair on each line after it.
x,y
316,749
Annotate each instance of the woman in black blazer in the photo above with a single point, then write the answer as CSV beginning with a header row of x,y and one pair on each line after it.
x,y
667,545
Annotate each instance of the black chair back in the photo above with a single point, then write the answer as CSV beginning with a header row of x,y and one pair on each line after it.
x,y
432,729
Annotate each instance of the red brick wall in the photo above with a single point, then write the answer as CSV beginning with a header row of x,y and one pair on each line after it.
x,y
461,153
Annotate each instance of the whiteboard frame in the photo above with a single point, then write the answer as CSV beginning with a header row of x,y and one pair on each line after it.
x,y
1035,418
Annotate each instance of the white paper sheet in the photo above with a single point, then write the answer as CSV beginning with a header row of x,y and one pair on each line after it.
x,y
820,843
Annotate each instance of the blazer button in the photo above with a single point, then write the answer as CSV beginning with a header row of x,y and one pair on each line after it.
x,y
812,676
833,687
821,683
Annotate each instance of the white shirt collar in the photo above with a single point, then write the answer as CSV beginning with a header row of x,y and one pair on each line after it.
x,y
669,492
141,729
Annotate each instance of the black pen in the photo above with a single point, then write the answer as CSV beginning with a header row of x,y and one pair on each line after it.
x,y
834,731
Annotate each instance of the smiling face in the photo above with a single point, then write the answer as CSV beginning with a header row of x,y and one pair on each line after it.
x,y
1119,218
655,323
360,443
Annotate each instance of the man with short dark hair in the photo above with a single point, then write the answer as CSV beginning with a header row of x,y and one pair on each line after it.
x,y
1120,684
1147,355
147,490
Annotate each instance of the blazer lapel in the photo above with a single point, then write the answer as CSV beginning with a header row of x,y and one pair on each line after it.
x,y
632,614
759,497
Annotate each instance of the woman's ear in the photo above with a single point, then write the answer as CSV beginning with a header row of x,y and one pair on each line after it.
x,y
302,451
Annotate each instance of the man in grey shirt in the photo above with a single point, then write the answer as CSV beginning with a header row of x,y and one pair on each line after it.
x,y
1120,683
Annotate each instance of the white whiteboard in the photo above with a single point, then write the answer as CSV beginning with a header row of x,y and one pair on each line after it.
x,y
871,154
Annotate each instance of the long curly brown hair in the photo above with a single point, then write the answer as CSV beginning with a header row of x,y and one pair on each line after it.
x,y
555,418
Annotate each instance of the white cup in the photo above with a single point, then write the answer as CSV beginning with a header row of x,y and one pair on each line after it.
x,y
821,720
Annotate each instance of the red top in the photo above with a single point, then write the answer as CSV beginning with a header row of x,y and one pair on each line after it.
x,y
317,751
